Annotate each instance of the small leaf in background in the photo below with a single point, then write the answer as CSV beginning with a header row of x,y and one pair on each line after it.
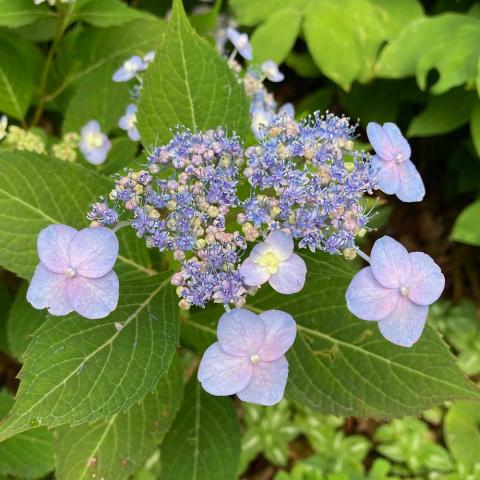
x,y
303,64
28,454
204,440
119,446
462,433
22,321
475,127
76,370
344,46
447,43
189,84
17,13
467,225
396,15
443,114
205,22
274,39
320,100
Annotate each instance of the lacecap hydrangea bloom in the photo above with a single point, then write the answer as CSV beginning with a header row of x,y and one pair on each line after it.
x,y
396,290
75,272
249,358
94,144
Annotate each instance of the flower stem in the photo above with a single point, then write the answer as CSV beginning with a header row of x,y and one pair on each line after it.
x,y
363,255
120,225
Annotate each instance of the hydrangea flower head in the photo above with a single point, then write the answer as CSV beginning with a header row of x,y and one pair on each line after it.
x,y
75,272
271,71
249,357
240,42
130,68
129,122
94,144
396,174
273,261
396,290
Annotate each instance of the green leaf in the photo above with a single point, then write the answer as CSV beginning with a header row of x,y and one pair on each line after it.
x,y
475,127
467,225
38,191
5,301
122,154
398,14
254,12
119,446
204,441
22,12
22,321
342,365
76,370
443,114
303,64
104,13
266,42
343,38
19,72
448,43
28,454
97,98
205,22
320,100
189,84
462,433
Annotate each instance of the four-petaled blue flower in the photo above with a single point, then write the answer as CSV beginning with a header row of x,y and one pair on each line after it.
x,y
249,357
75,271
131,67
94,144
396,174
240,42
271,71
273,261
129,122
396,290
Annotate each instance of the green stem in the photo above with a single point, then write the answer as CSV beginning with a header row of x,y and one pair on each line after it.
x,y
65,15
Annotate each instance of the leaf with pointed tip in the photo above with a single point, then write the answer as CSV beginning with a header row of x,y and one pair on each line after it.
x,y
117,447
467,225
189,84
204,441
77,370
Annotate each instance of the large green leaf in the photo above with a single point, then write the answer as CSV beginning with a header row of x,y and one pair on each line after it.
x,y
28,454
342,365
16,13
398,14
19,72
189,84
37,191
475,126
204,441
257,11
76,370
344,45
117,447
467,226
448,43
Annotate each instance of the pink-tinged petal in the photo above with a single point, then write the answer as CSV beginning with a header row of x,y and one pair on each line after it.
x,y
390,262
258,251
49,290
93,297
93,252
268,383
223,374
398,140
380,141
405,324
240,332
290,276
253,274
427,282
281,243
387,175
367,299
53,244
280,332
411,188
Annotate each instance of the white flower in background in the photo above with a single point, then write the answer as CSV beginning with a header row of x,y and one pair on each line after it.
x,y
149,57
93,143
130,68
3,126
129,122
271,71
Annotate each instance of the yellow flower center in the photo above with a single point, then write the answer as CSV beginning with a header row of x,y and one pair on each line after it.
x,y
270,261
70,272
404,291
94,139
254,359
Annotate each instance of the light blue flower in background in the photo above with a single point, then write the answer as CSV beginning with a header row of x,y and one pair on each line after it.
x,y
396,174
149,57
271,71
261,119
129,122
129,69
240,42
94,144
396,290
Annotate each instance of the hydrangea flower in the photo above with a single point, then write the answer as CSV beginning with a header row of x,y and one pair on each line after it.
x,y
240,42
271,71
75,272
273,261
3,126
129,69
249,358
129,122
94,144
396,290
396,174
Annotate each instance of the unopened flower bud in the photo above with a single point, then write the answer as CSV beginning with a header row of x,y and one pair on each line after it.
x,y
349,253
